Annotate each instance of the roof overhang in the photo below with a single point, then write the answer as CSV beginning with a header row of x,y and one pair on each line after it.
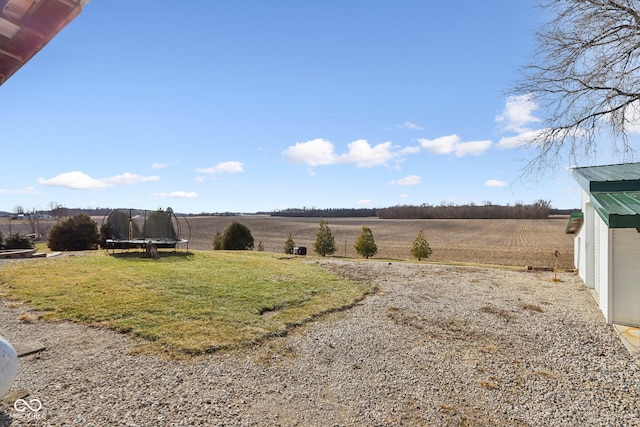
x,y
575,222
614,191
608,178
618,209
26,26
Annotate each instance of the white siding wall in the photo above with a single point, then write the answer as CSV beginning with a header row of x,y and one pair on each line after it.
x,y
626,276
584,199
579,243
595,257
603,272
578,255
608,260
589,246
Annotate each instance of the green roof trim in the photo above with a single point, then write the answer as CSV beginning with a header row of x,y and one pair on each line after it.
x,y
575,222
618,209
621,177
614,191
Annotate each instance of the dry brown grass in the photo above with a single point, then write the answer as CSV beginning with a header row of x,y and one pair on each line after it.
x,y
500,312
480,241
545,374
489,385
532,307
27,317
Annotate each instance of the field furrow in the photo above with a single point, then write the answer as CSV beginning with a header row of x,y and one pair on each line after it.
x,y
484,241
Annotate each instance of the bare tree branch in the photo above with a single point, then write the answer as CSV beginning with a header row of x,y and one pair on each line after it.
x,y
586,77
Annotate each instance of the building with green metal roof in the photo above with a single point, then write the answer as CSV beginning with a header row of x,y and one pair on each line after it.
x,y
607,238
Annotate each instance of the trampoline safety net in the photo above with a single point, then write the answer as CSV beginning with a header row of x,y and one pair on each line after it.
x,y
128,228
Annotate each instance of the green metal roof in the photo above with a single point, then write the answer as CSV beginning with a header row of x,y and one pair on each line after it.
x,y
618,209
575,222
614,192
621,177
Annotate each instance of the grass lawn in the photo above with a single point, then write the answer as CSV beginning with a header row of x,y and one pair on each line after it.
x,y
190,302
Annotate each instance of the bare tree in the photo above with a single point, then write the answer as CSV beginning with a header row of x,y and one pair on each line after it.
x,y
57,210
33,219
586,76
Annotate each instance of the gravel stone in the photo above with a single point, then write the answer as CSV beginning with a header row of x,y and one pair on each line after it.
x,y
433,345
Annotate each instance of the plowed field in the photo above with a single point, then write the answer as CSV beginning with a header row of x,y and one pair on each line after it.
x,y
517,242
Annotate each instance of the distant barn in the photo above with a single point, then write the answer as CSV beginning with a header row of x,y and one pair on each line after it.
x,y
134,228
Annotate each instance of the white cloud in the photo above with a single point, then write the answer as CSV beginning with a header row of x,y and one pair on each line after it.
x,y
365,202
453,144
129,178
472,147
632,117
178,195
76,180
412,126
404,196
365,156
407,150
442,145
81,181
158,166
223,167
407,180
520,140
535,138
183,195
518,114
406,125
495,183
315,152
320,152
25,190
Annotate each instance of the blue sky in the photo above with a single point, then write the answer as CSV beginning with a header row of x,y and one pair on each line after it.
x,y
253,105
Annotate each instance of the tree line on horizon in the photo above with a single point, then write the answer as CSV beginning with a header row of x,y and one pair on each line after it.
x,y
326,213
538,210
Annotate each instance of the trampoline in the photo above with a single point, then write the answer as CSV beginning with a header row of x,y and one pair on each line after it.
x,y
135,229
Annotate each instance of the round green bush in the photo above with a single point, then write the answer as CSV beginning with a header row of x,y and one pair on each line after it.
x,y
77,233
237,237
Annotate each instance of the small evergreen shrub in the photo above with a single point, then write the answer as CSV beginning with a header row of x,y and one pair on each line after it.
x,y
325,244
237,237
18,241
217,241
420,248
365,245
77,233
289,245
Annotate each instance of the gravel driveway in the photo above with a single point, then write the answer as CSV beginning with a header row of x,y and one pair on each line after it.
x,y
435,345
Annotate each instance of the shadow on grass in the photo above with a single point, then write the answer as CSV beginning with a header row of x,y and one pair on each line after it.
x,y
142,254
